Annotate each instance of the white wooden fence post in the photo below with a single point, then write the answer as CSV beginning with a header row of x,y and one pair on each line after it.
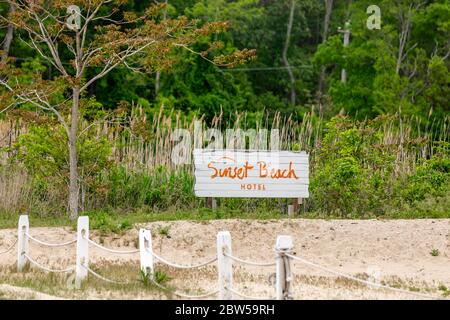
x,y
82,250
146,252
225,265
284,245
22,242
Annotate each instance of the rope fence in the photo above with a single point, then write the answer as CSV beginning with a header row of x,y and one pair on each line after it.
x,y
95,274
39,266
111,250
9,248
52,245
224,263
368,283
249,263
179,266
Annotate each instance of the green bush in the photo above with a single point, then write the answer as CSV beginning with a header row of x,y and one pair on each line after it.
x,y
349,174
157,189
432,178
44,153
354,174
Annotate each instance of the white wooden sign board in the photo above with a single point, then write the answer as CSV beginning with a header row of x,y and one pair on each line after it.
x,y
251,174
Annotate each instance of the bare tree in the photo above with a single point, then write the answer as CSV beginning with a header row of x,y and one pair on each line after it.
x,y
100,37
285,51
8,38
405,16
326,26
158,72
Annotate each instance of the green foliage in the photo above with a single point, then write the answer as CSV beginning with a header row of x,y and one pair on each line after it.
x,y
164,231
44,153
378,81
160,277
431,178
354,173
356,169
159,189
434,252
105,222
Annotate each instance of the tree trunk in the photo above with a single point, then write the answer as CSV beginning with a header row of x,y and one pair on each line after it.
x,y
157,80
285,50
326,26
403,37
8,38
158,73
73,160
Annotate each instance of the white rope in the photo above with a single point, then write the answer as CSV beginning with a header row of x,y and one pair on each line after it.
x,y
184,295
70,269
105,279
369,283
240,294
154,282
179,266
112,250
54,245
9,248
257,264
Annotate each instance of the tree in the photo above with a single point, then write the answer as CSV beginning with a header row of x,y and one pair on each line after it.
x,y
404,66
326,26
285,50
85,40
8,39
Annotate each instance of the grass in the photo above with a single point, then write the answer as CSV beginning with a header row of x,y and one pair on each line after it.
x,y
62,285
118,222
164,231
37,283
434,252
445,290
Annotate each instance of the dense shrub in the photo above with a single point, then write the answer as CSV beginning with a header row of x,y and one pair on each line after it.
x,y
357,172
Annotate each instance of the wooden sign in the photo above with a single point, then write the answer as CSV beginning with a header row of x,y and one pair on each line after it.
x,y
251,174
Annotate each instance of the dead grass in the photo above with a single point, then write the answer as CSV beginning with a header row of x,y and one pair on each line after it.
x,y
33,284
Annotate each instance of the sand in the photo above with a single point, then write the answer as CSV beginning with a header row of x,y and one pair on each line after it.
x,y
397,252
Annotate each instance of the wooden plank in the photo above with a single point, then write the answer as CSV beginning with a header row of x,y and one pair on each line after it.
x,y
254,173
256,166
266,153
254,160
252,194
250,187
202,178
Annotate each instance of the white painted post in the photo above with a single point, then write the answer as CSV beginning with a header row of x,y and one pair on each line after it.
x,y
284,245
290,211
82,250
224,265
22,242
146,252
